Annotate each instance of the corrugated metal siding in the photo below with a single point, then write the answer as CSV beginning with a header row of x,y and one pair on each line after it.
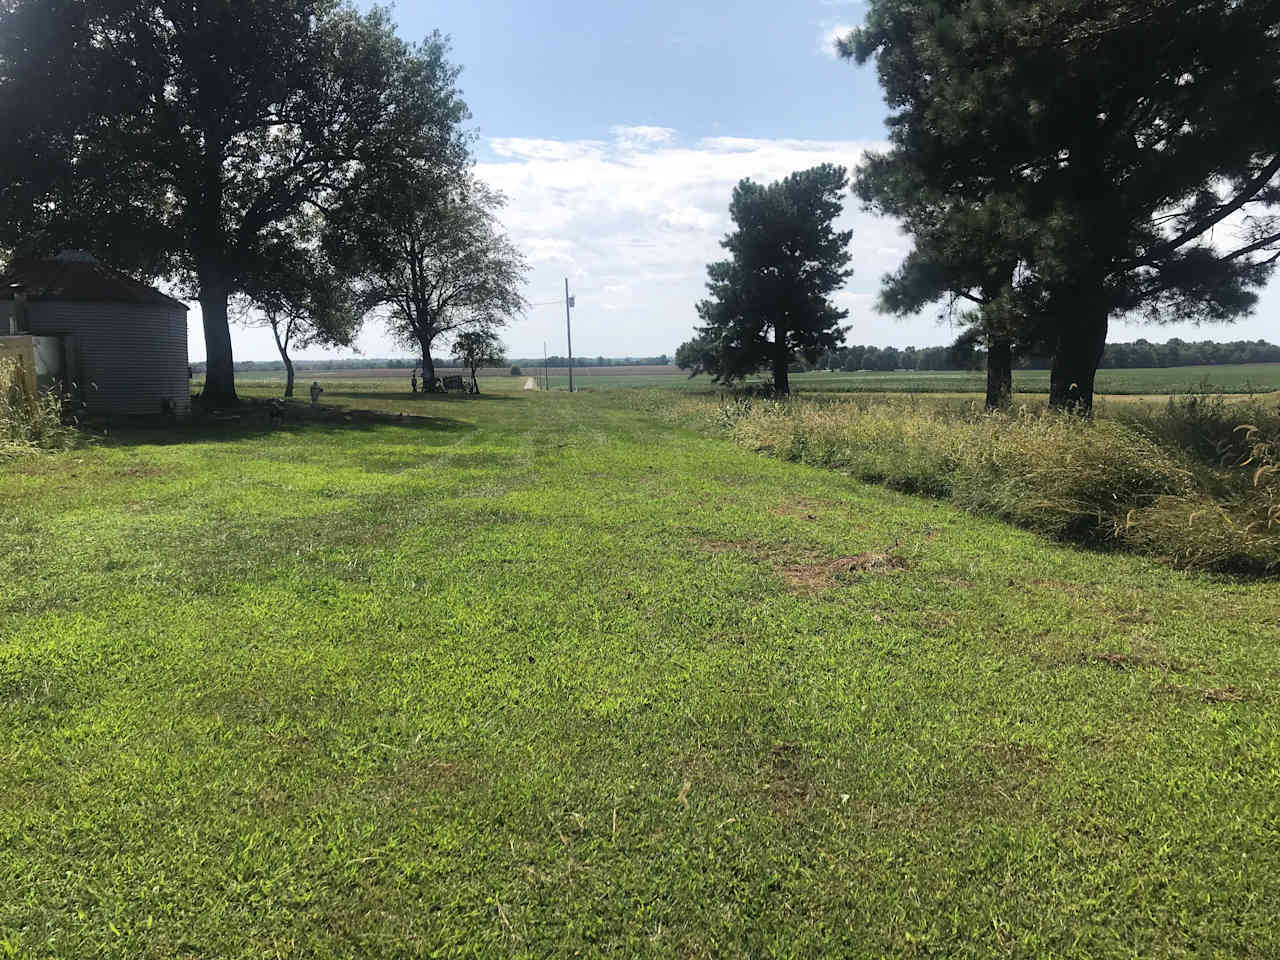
x,y
131,357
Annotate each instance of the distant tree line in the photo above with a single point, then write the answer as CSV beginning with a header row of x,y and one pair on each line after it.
x,y
405,363
558,361
1119,356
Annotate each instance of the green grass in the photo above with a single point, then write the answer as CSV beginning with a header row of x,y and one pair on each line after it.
x,y
547,674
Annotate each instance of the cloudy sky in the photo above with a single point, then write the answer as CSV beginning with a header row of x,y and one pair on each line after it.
x,y
617,132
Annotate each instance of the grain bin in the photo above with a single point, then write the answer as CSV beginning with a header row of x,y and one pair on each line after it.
x,y
124,343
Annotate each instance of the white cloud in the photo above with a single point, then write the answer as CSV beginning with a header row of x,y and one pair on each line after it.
x,y
633,224
637,137
829,35
634,220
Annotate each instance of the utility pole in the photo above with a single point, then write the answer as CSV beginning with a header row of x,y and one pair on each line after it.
x,y
546,380
568,329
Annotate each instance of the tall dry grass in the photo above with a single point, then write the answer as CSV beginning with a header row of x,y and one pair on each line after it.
x,y
1196,483
29,422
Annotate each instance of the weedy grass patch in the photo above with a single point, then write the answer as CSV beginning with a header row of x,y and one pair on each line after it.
x,y
29,422
474,685
1194,482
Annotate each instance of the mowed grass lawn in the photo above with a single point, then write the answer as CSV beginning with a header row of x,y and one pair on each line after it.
x,y
546,675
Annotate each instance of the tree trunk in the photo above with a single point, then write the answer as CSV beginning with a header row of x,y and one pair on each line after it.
x,y
220,379
475,384
999,372
428,365
282,346
781,360
1075,363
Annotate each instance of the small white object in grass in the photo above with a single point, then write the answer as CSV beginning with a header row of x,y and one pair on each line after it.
x,y
531,384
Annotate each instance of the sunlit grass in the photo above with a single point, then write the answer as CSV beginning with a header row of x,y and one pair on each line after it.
x,y
539,675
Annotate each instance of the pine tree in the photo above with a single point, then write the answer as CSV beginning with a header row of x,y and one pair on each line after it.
x,y
770,301
1131,150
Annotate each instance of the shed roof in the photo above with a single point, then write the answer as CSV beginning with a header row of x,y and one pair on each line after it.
x,y
78,277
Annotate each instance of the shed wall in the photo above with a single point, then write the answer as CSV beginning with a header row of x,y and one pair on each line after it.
x,y
131,357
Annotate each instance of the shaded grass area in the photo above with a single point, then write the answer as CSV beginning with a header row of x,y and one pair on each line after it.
x,y
539,682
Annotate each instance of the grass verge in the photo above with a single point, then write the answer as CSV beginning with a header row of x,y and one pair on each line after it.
x,y
1194,482
29,423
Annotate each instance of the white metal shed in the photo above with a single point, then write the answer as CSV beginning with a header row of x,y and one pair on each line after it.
x,y
124,343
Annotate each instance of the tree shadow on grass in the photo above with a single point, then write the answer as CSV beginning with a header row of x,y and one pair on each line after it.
x,y
424,397
256,420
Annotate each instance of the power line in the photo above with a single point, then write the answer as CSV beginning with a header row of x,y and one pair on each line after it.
x,y
568,330
559,301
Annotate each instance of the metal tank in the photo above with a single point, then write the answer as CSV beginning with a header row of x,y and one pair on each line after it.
x,y
124,343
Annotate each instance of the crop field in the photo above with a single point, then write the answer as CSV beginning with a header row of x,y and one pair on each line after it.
x,y
1235,379
390,373
539,674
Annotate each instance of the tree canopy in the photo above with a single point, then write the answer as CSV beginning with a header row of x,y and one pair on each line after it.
x,y
183,138
478,348
770,301
303,299
424,241
1104,159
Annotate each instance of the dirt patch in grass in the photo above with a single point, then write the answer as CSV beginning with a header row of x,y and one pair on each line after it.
x,y
809,573
1227,694
1008,755
787,785
1134,661
1223,695
804,509
817,575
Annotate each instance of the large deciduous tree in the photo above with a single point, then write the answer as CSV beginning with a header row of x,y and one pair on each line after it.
x,y
425,241
771,300
303,300
1130,148
476,349
179,136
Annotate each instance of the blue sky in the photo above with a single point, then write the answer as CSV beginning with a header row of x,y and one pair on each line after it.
x,y
617,132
